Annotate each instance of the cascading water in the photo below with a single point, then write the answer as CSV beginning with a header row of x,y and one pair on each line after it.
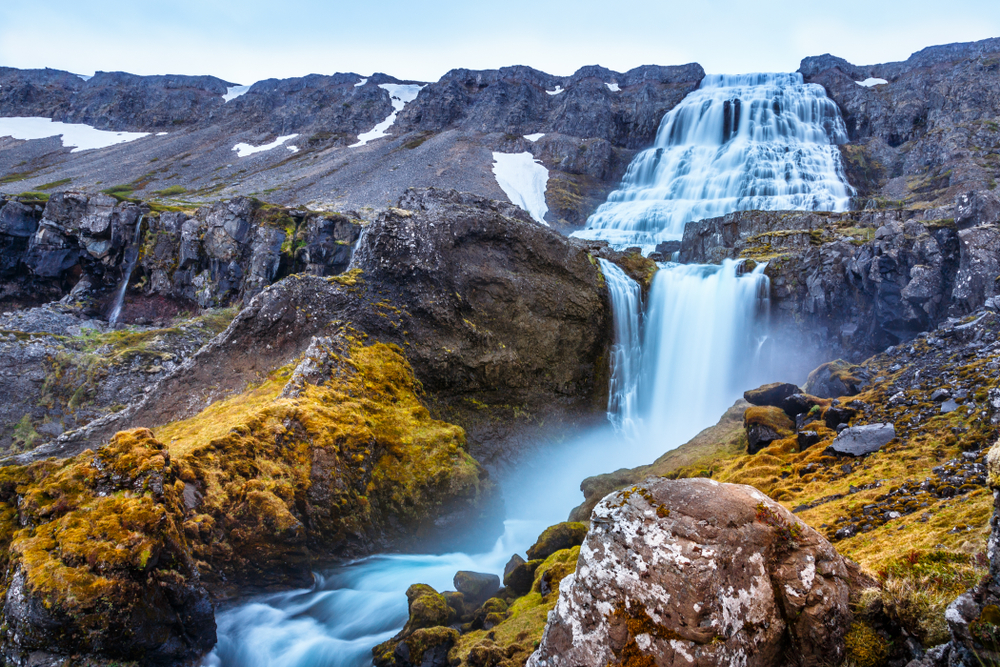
x,y
626,351
131,257
756,141
738,142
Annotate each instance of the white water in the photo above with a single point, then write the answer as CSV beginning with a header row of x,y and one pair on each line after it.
x,y
739,142
131,256
675,368
626,351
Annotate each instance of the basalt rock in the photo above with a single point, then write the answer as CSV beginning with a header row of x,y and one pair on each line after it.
x,y
556,538
774,394
862,440
476,587
702,573
764,425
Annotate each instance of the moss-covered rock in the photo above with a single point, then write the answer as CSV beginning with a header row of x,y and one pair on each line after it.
x,y
764,425
555,538
773,394
476,586
521,576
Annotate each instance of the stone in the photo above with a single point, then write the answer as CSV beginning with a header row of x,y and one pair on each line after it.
x,y
833,380
837,415
807,439
764,425
556,538
693,572
797,404
773,394
949,406
940,394
520,578
862,440
476,587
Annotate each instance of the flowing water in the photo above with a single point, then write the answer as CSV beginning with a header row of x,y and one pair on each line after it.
x,y
131,257
763,141
738,142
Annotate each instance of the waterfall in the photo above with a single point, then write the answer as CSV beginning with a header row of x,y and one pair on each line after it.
x,y
761,141
626,349
703,334
131,257
738,142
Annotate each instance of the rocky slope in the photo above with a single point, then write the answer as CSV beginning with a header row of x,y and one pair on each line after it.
x,y
592,123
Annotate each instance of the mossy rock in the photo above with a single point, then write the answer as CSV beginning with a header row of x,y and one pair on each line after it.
x,y
427,608
835,379
521,577
554,569
491,614
427,647
773,394
476,586
866,647
555,538
764,425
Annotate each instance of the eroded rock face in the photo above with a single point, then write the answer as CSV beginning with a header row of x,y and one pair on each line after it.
x,y
693,572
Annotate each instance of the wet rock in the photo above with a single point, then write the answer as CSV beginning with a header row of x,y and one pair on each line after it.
x,y
700,573
797,404
862,440
764,425
476,586
423,640
940,395
774,394
833,380
556,538
837,415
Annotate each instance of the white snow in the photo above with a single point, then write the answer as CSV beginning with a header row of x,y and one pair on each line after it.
x,y
534,137
81,137
361,83
400,94
243,150
871,81
232,92
162,134
523,179
294,149
558,90
613,87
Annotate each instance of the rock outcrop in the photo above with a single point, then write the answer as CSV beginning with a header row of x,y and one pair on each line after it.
x,y
697,572
76,246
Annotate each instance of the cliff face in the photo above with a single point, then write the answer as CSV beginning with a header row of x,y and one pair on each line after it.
x,y
930,133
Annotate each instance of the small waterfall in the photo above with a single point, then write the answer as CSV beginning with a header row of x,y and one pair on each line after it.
x,y
739,142
626,350
703,335
131,257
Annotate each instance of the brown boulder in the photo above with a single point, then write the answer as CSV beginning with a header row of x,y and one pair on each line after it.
x,y
774,394
694,572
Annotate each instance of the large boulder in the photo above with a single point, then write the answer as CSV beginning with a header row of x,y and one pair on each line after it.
x,y
773,394
764,425
693,572
555,538
862,440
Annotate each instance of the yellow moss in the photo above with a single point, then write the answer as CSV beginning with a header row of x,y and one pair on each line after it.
x,y
866,647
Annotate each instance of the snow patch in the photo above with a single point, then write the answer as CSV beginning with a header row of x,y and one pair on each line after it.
x,y
243,150
558,90
613,87
523,179
162,134
534,137
871,81
294,149
400,94
81,137
363,81
232,92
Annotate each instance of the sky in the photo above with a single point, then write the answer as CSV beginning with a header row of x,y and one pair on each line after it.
x,y
250,40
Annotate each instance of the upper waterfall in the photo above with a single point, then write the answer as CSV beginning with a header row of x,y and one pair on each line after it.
x,y
738,142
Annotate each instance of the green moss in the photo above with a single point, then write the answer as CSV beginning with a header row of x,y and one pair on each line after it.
x,y
171,191
556,538
55,184
25,436
866,647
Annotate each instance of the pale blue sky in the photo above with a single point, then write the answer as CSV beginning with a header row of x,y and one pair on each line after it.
x,y
251,40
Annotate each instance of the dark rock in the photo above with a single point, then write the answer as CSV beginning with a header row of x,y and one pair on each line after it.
x,y
764,425
555,538
423,641
940,394
834,379
520,578
798,404
476,586
773,394
807,439
668,248
602,610
862,440
837,415
949,406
